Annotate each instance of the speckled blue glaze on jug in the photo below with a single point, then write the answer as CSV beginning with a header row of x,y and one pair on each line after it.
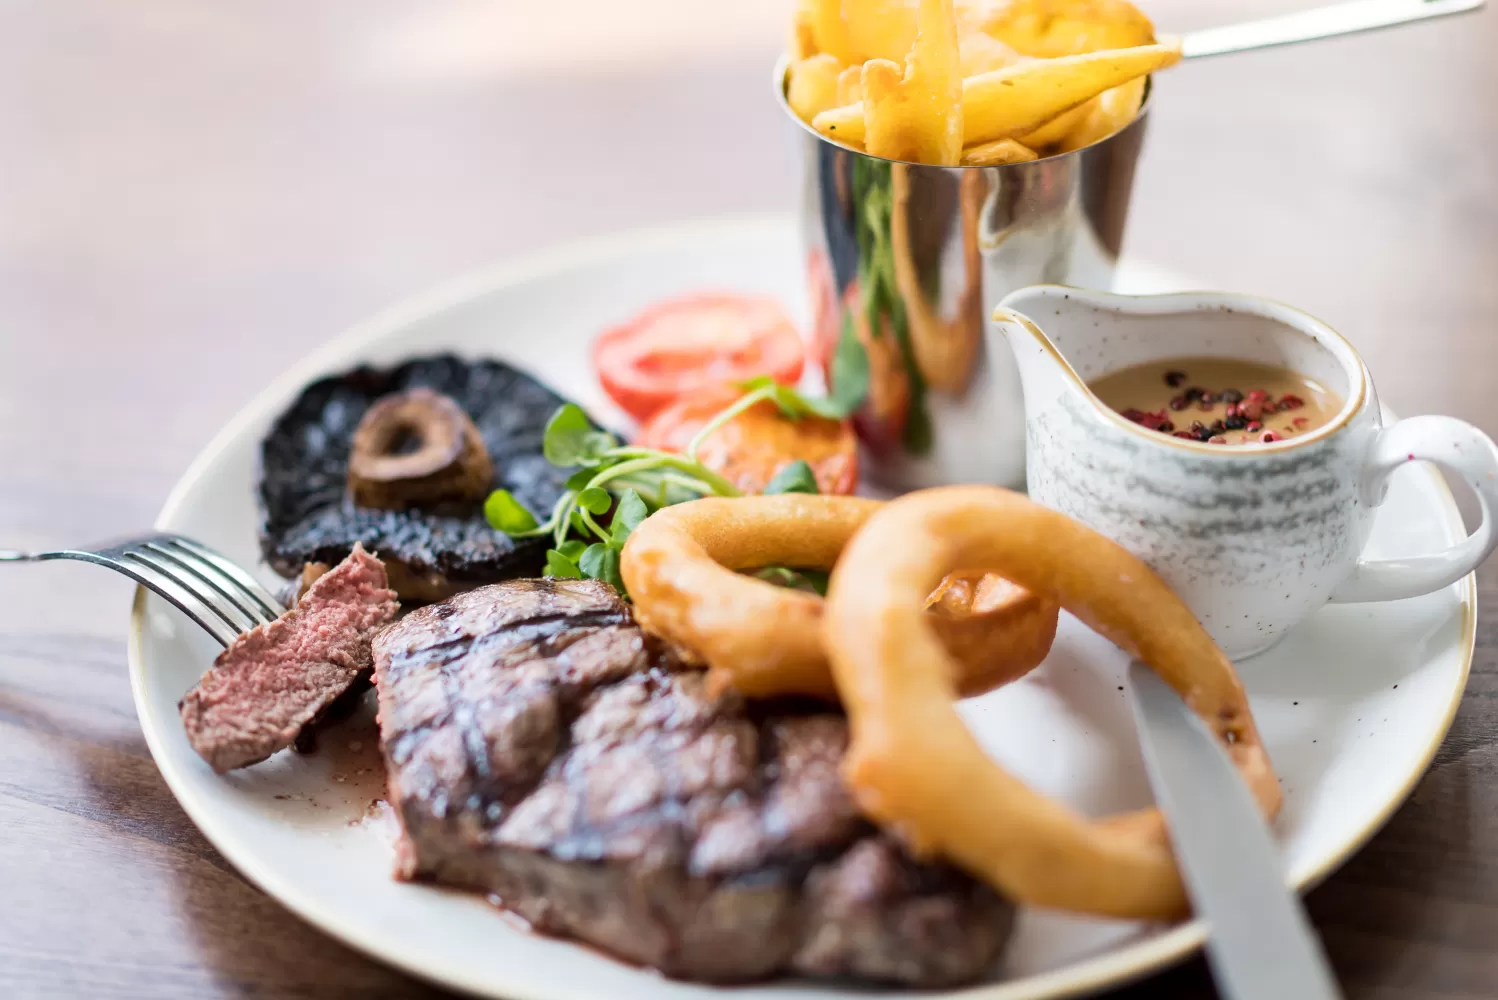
x,y
1253,537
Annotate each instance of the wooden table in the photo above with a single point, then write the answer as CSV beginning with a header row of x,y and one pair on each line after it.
x,y
194,194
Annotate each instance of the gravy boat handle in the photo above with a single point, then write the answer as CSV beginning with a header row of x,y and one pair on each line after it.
x,y
1457,447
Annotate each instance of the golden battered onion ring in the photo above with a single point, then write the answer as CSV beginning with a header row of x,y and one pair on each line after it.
x,y
679,566
916,768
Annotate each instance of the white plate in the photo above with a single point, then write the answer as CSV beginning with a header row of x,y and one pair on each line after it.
x,y
1352,706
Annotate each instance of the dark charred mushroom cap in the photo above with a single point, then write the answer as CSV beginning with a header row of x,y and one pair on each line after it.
x,y
308,515
417,449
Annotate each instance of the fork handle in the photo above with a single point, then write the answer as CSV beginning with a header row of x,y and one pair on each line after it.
x,y
11,555
1318,22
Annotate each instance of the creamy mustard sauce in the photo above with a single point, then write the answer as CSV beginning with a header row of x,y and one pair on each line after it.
x,y
1219,401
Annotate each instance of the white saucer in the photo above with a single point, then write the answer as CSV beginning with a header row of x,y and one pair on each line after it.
x,y
1352,706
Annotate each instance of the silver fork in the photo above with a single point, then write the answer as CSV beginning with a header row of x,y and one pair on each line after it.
x,y
208,588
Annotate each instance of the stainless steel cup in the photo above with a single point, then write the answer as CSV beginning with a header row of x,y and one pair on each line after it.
x,y
905,264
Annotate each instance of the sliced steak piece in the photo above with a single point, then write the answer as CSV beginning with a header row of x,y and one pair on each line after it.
x,y
277,678
541,748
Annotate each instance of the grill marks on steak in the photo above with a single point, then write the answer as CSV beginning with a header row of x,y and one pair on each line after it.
x,y
540,747
275,679
471,699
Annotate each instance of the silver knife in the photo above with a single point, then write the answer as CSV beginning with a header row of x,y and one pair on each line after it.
x,y
1259,943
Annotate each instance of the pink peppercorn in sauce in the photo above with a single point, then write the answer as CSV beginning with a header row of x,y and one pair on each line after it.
x,y
1219,401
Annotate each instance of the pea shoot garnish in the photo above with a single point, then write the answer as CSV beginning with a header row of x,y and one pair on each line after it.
x,y
616,486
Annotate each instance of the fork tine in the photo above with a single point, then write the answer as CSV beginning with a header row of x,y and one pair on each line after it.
x,y
232,614
220,597
229,589
230,569
168,587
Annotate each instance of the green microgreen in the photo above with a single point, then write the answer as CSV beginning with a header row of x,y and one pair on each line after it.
x,y
572,549
559,565
617,486
595,500
505,513
794,478
572,440
631,511
811,580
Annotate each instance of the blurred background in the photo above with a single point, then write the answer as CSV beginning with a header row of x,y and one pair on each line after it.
x,y
263,174
230,183
194,194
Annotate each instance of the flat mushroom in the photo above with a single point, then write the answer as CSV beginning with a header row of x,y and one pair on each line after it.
x,y
442,543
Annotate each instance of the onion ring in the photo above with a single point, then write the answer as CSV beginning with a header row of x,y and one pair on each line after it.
x,y
915,767
679,567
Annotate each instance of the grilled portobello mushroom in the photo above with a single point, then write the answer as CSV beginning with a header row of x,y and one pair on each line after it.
x,y
419,483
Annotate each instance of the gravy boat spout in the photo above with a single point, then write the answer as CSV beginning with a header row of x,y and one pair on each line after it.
x,y
1044,372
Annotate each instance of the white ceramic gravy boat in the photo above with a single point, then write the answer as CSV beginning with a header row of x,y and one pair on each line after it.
x,y
1254,538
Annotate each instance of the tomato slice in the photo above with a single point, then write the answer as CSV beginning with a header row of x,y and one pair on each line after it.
x,y
687,346
751,448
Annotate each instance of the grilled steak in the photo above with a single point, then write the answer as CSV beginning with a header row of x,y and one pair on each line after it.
x,y
307,515
276,679
541,748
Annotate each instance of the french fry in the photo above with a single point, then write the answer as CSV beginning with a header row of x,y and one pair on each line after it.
x,y
829,31
886,29
1086,121
803,42
1042,81
843,124
880,29
886,118
917,116
998,153
850,87
1051,28
1019,99
1113,110
983,53
813,85
1058,128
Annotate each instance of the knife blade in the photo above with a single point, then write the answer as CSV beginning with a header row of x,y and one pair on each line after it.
x,y
1260,944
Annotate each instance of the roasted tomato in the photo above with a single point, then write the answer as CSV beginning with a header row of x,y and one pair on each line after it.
x,y
697,344
751,448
